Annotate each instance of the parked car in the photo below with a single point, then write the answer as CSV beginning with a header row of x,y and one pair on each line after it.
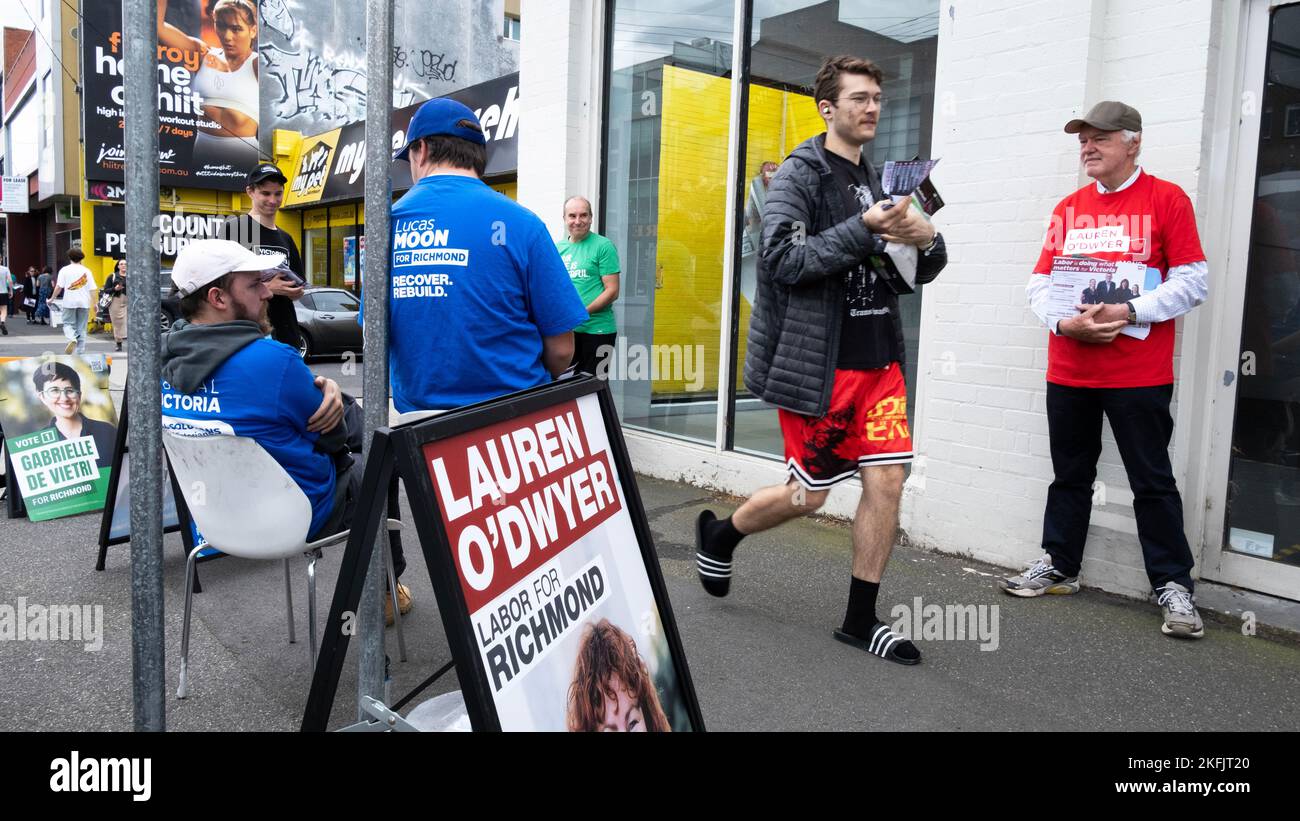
x,y
327,320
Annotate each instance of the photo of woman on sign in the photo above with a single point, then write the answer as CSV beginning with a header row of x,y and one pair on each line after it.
x,y
226,80
612,689
58,386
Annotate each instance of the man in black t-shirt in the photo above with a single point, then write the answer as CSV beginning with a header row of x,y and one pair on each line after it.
x,y
258,232
826,347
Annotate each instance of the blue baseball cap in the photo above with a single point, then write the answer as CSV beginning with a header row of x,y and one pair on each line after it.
x,y
442,117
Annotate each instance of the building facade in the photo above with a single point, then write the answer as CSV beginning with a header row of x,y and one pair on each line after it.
x,y
664,113
40,136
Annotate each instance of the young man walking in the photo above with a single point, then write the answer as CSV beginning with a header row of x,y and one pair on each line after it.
x,y
826,347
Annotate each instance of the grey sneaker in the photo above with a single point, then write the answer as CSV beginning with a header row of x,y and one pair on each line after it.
x,y
1181,619
1040,578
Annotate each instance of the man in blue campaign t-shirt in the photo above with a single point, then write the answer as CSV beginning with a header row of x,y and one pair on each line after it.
x,y
481,303
221,374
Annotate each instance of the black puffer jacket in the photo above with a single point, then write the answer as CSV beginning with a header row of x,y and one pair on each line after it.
x,y
794,331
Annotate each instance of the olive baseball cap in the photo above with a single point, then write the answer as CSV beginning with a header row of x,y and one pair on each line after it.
x,y
1108,115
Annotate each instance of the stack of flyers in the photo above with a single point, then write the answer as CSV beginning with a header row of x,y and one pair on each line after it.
x,y
1086,281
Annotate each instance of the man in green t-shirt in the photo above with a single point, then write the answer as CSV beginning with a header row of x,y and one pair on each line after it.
x,y
593,268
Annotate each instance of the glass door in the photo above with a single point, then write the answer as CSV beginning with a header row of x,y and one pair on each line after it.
x,y
1261,531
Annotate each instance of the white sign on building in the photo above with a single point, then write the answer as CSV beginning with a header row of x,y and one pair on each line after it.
x,y
13,200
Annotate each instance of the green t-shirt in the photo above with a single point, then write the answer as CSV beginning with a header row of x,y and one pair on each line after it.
x,y
588,261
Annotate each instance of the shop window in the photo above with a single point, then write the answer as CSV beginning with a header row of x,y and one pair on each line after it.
x,y
666,157
789,41
1264,489
664,206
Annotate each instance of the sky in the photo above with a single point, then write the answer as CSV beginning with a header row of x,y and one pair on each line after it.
x,y
13,15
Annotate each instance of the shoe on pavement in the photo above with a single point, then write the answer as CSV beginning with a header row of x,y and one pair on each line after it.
x,y
1181,618
403,603
883,642
1039,579
714,570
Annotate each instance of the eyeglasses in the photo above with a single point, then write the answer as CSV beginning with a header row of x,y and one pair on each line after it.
x,y
861,100
67,393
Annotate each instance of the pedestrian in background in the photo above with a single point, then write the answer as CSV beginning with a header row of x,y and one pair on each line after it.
x,y
8,293
75,284
115,287
44,290
29,294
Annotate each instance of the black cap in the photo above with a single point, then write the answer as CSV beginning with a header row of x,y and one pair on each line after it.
x,y
265,171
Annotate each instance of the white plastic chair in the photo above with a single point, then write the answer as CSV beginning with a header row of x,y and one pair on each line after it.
x,y
246,505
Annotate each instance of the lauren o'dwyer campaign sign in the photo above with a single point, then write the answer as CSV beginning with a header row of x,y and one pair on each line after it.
x,y
60,432
561,608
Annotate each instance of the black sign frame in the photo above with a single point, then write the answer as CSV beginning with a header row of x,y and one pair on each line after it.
x,y
400,449
106,539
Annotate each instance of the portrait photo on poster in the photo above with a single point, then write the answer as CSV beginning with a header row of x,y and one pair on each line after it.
x,y
60,430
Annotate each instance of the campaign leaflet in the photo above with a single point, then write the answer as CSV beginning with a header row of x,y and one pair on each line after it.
x,y
563,615
208,92
60,431
1087,281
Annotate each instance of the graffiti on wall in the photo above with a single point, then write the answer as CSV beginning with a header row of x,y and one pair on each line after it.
x,y
316,80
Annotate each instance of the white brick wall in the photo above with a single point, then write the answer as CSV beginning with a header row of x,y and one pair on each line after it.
x,y
559,86
1010,74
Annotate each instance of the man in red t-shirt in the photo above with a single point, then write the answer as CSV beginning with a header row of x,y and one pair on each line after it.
x,y
1093,369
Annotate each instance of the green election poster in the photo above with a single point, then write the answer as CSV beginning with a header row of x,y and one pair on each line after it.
x,y
60,429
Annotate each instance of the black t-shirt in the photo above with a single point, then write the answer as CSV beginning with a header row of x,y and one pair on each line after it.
x,y
867,337
251,234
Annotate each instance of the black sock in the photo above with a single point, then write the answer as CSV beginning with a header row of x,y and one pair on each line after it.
x,y
860,616
721,537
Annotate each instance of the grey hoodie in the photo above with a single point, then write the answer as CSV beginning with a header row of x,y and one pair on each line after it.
x,y
191,353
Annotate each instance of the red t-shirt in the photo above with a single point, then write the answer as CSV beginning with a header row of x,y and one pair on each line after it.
x,y
1160,229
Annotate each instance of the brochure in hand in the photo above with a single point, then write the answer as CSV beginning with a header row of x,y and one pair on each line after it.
x,y
1087,281
905,180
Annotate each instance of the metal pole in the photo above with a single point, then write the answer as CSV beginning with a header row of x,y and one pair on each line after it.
x,y
144,437
379,109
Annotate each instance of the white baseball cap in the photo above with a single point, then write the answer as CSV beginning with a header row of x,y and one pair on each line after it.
x,y
205,260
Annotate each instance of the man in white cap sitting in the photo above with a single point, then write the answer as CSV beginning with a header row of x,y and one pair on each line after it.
x,y
222,373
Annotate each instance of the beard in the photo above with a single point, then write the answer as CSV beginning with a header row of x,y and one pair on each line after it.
x,y
260,316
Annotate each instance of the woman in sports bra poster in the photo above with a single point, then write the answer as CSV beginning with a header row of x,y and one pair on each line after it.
x,y
222,82
207,92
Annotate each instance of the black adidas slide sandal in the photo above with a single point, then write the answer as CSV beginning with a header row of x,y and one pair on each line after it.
x,y
714,571
883,643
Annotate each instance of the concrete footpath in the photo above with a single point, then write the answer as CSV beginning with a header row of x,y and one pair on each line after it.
x,y
761,659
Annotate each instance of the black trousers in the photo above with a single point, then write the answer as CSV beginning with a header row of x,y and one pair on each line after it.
x,y
1140,420
587,354
347,490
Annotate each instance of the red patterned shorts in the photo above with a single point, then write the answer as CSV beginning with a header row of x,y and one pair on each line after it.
x,y
866,425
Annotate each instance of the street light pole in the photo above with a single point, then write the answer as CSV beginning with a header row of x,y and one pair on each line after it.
x,y
144,410
378,202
